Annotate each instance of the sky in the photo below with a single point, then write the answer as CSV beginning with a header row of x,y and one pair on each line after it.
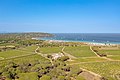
x,y
60,16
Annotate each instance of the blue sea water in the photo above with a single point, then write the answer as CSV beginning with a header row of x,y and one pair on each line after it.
x,y
113,38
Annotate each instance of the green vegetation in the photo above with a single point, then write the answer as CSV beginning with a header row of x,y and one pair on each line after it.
x,y
107,69
116,57
28,76
80,78
12,36
29,49
80,51
111,52
12,53
21,59
50,50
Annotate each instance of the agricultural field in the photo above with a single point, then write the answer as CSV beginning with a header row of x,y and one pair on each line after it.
x,y
80,51
110,70
50,50
29,48
116,57
12,53
111,52
18,52
30,58
87,60
28,76
21,62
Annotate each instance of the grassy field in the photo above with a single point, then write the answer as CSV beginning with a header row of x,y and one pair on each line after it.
x,y
85,58
107,69
111,53
12,53
29,48
91,59
49,50
19,52
28,76
80,51
31,59
116,57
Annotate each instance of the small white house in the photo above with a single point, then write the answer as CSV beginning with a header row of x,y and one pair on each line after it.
x,y
57,55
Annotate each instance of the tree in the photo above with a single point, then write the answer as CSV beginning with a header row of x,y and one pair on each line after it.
x,y
63,58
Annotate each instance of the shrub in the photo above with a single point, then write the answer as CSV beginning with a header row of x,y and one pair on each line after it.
x,y
63,58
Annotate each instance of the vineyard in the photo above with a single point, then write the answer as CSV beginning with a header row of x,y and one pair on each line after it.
x,y
46,50
80,51
35,62
110,70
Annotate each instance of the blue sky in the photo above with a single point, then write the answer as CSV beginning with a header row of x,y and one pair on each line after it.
x,y
60,16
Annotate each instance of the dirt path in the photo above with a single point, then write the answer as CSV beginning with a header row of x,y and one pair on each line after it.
x,y
89,75
70,56
101,57
43,55
94,51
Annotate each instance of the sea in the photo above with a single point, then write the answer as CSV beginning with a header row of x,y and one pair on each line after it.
x,y
107,38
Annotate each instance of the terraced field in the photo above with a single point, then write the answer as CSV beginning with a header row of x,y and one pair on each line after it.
x,y
80,51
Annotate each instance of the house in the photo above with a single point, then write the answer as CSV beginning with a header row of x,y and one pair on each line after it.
x,y
57,55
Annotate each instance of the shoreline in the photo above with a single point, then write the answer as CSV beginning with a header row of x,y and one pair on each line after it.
x,y
88,43
85,42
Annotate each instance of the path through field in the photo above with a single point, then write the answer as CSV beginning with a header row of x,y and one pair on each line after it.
x,y
70,56
102,57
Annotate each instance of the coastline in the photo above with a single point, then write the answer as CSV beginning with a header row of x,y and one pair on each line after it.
x,y
84,42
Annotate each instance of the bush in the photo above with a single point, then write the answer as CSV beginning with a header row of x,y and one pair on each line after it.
x,y
63,58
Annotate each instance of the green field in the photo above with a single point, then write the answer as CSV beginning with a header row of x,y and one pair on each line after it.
x,y
19,52
80,51
110,52
49,50
91,59
28,76
29,48
116,57
107,69
85,59
31,58
13,53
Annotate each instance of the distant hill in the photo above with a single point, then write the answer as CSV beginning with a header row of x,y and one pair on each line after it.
x,y
24,35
